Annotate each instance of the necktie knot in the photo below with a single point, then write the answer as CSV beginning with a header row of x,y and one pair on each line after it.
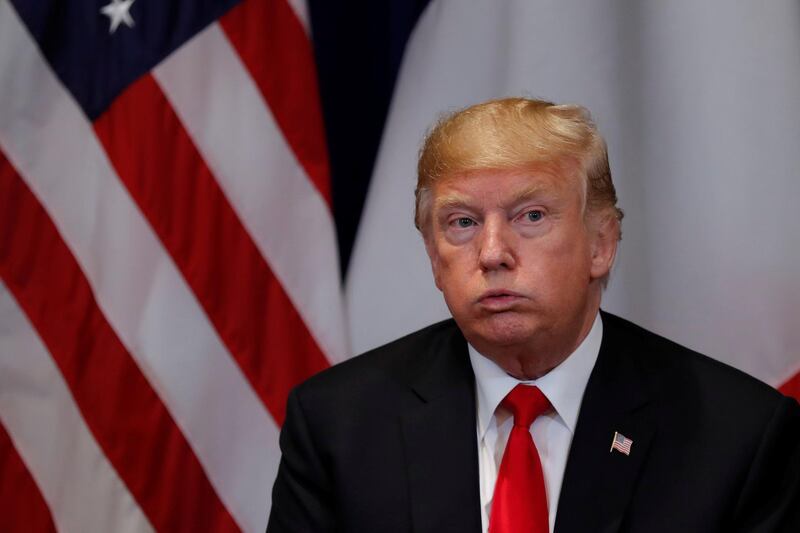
x,y
526,403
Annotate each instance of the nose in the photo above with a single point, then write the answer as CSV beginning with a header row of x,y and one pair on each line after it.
x,y
497,245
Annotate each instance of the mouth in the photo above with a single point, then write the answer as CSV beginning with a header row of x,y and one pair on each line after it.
x,y
499,300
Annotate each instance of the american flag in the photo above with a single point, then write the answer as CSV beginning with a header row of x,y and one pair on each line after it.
x,y
168,259
621,443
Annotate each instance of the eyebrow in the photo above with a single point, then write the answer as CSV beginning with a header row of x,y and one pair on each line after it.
x,y
528,193
450,201
456,200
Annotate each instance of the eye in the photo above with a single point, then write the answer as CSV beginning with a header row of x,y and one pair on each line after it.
x,y
464,222
534,215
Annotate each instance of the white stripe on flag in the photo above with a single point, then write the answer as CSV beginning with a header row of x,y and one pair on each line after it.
x,y
300,8
81,488
138,287
229,122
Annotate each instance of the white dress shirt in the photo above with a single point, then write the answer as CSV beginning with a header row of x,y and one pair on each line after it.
x,y
552,432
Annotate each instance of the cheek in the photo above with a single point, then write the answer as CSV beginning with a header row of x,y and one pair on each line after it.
x,y
575,241
565,263
454,276
455,258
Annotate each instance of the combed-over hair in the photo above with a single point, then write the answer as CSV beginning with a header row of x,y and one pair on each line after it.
x,y
517,133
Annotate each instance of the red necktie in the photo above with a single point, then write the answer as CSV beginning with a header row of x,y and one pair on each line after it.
x,y
520,502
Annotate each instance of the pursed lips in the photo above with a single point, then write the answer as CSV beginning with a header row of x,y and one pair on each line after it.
x,y
499,299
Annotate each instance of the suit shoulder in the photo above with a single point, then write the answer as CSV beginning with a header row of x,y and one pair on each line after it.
x,y
393,363
685,370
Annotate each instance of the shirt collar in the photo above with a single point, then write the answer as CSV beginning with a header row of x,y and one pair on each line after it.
x,y
563,386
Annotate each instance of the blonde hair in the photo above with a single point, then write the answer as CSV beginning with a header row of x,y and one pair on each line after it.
x,y
517,133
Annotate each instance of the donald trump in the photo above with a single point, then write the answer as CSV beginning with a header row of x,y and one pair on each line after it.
x,y
532,410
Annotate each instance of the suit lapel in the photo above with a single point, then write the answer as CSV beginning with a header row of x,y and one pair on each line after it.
x,y
441,445
598,483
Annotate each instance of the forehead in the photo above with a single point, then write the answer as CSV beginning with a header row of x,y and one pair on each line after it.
x,y
505,187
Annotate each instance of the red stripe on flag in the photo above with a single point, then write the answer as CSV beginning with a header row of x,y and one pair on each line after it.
x,y
22,507
274,47
792,387
127,418
165,174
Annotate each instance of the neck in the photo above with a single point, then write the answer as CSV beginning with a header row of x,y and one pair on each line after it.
x,y
542,354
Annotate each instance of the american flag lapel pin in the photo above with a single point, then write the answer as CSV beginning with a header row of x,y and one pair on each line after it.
x,y
621,443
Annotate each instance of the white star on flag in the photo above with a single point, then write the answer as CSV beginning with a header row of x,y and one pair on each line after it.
x,y
118,11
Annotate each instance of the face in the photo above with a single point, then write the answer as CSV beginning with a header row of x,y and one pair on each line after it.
x,y
515,260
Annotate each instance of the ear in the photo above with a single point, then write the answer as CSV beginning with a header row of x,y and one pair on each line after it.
x,y
433,255
605,236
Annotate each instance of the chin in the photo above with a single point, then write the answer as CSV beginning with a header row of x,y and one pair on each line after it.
x,y
504,329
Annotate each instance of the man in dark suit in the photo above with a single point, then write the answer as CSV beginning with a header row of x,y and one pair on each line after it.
x,y
532,410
